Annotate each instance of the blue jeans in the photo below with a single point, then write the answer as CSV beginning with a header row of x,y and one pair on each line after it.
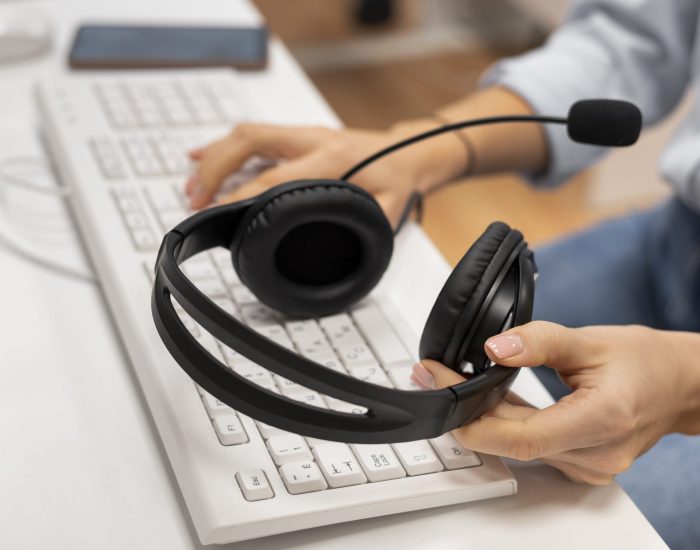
x,y
640,269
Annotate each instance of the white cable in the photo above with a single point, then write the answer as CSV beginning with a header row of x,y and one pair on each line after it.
x,y
12,240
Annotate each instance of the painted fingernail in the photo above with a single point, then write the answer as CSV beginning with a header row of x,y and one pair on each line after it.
x,y
423,377
505,346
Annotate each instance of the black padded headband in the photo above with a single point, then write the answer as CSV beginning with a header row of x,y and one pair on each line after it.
x,y
393,415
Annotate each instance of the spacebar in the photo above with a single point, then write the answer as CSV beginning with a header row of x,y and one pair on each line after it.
x,y
381,336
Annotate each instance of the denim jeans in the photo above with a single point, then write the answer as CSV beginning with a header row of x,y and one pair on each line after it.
x,y
640,269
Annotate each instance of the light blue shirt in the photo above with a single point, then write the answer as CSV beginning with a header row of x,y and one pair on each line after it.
x,y
643,51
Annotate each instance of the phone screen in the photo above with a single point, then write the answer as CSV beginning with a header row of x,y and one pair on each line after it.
x,y
97,46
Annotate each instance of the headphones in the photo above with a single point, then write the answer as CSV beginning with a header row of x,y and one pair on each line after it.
x,y
311,248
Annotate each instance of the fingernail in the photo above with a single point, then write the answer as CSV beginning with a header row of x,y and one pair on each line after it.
x,y
423,377
197,198
192,183
505,346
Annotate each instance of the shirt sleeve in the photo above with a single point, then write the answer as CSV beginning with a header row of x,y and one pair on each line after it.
x,y
636,50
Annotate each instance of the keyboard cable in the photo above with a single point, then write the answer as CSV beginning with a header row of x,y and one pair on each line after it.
x,y
9,237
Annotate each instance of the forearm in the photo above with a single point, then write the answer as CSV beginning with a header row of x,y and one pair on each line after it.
x,y
493,148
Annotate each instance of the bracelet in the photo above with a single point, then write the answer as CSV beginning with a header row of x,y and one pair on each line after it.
x,y
470,168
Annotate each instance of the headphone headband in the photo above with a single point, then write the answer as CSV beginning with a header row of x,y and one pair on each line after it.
x,y
409,414
392,416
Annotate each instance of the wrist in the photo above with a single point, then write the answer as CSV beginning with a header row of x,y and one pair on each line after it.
x,y
435,161
686,347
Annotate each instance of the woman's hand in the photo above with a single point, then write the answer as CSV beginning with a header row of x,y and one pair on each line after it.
x,y
631,385
314,152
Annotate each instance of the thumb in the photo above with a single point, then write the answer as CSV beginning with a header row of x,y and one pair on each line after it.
x,y
543,343
431,375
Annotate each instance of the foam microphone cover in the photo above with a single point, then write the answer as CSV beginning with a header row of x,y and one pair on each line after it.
x,y
607,122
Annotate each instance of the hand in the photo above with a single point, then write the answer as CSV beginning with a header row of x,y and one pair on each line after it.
x,y
632,385
314,152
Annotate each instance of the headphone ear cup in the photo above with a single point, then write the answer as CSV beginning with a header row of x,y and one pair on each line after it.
x,y
312,247
454,312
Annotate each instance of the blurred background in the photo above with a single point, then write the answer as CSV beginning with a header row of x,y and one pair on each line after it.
x,y
380,61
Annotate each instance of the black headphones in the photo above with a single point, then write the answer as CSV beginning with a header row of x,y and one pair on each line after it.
x,y
311,248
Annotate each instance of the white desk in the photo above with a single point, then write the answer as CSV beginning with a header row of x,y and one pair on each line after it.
x,y
80,463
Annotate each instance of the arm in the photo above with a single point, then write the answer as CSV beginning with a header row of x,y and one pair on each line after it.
x,y
636,50
324,153
631,49
631,386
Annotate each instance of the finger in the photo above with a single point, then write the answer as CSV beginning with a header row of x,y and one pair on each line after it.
x,y
572,423
313,165
431,375
579,474
220,160
196,154
267,140
611,458
192,183
543,343
393,202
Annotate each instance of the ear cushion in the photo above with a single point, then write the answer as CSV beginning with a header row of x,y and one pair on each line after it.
x,y
312,247
464,292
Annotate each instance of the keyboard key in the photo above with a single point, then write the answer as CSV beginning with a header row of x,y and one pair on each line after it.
x,y
254,373
339,465
287,387
310,397
288,448
170,218
314,442
418,457
215,407
341,330
163,197
452,454
104,151
330,361
343,406
315,348
258,314
302,477
378,462
371,373
277,334
381,337
142,157
267,431
136,220
227,305
303,331
229,275
229,430
242,296
144,239
254,485
356,355
401,377
126,200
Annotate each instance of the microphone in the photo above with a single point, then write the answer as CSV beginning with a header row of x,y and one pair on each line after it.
x,y
606,122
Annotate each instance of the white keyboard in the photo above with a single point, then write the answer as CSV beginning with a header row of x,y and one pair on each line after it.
x,y
121,144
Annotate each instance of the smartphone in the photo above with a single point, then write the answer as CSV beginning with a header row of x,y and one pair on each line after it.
x,y
136,47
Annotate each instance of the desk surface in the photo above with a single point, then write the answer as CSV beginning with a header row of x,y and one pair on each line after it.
x,y
81,464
